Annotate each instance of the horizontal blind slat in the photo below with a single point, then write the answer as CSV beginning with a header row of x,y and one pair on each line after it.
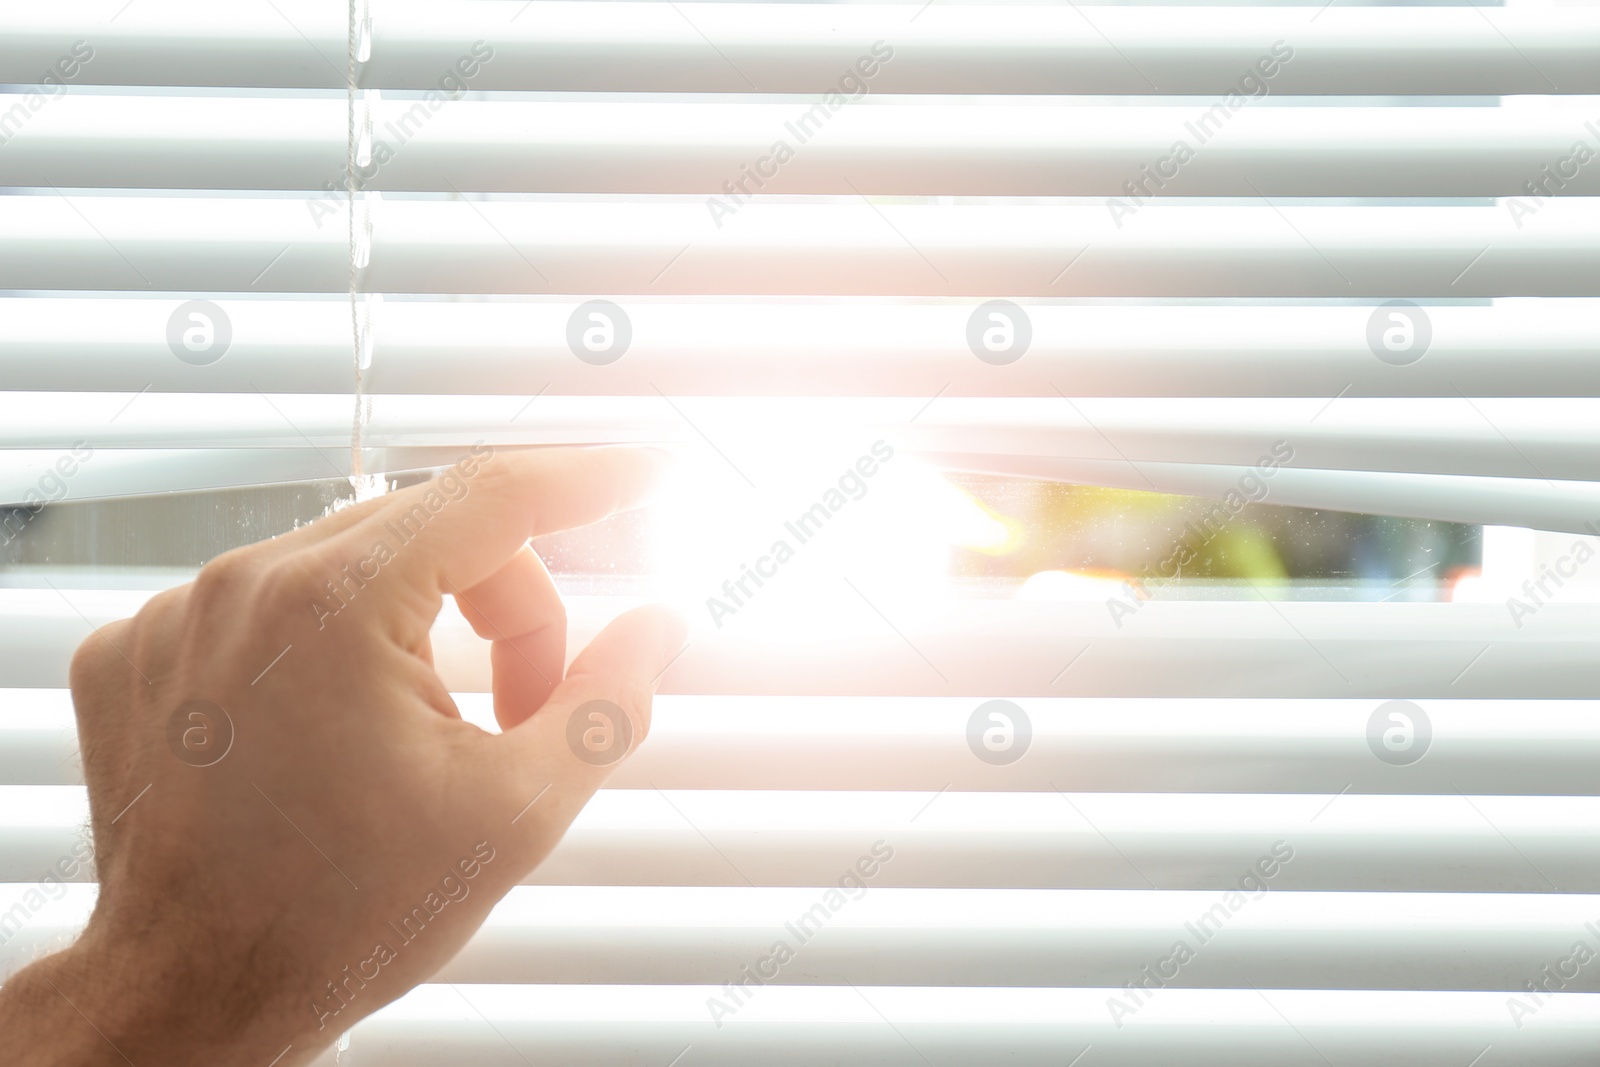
x,y
811,48
1027,938
897,1027
806,348
1533,438
841,246
731,151
988,648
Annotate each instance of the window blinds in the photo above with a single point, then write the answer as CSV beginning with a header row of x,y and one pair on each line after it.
x,y
1377,242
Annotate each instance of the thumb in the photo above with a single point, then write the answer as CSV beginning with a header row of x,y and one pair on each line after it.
x,y
600,712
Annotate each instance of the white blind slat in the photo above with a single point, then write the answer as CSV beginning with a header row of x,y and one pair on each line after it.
x,y
1489,437
728,150
900,1027
808,48
722,347
840,246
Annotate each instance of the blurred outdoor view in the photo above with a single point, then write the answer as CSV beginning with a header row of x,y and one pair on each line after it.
x,y
1037,539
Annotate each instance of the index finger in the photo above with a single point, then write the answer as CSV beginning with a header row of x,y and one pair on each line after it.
x,y
457,529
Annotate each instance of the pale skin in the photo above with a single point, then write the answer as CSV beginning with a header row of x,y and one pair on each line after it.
x,y
232,895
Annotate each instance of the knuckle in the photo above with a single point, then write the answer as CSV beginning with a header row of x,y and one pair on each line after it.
x,y
89,660
157,607
289,583
226,576
144,638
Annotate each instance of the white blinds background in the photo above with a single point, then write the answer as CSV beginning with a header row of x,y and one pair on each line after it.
x,y
1167,759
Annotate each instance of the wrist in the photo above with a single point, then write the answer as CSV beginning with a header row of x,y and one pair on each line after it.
x,y
108,1001
35,1019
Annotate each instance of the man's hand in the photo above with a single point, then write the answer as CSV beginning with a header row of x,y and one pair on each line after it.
x,y
293,825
